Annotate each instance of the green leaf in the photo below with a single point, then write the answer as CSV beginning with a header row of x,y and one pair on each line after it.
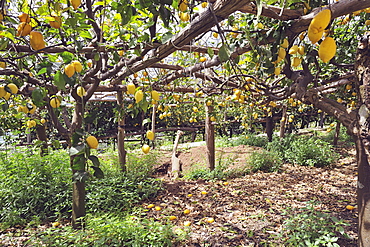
x,y
210,52
78,163
37,96
80,176
144,106
77,150
127,14
165,15
4,44
94,160
147,120
167,36
42,71
98,172
224,53
59,81
5,106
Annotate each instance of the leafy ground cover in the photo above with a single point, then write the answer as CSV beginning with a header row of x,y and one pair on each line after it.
x,y
294,206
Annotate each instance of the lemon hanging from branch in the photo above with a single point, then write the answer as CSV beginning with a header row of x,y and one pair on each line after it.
x,y
92,142
139,95
81,91
327,49
318,25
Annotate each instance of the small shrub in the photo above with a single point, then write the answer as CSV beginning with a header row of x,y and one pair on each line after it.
x,y
108,230
264,161
281,145
34,186
250,140
219,173
309,227
310,152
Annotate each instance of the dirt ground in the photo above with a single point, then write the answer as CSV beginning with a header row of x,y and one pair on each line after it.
x,y
249,211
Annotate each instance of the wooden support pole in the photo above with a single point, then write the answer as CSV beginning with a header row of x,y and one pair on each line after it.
x,y
210,139
121,134
283,122
176,163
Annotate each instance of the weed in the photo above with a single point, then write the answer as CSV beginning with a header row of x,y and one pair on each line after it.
x,y
265,161
309,227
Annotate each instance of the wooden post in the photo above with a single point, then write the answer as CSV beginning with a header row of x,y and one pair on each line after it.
x,y
121,134
210,139
153,121
176,163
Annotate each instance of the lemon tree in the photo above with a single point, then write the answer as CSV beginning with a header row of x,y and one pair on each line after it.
x,y
264,53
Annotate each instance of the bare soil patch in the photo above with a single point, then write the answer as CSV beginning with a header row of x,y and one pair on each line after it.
x,y
249,210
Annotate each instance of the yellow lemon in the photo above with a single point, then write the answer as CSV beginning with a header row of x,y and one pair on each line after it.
x,y
3,65
183,6
55,102
158,208
277,71
281,53
69,70
150,135
296,62
293,50
75,4
172,217
187,223
301,50
24,18
321,20
7,96
215,35
139,95
33,109
37,40
42,121
187,211
350,207
24,29
92,142
367,22
55,224
78,66
202,59
145,148
184,17
81,91
57,23
13,88
285,44
318,25
204,4
213,119
131,88
327,49
151,206
155,95
210,220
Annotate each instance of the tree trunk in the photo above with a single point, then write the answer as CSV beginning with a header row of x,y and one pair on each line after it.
x,y
283,122
78,168
41,136
121,134
362,140
78,204
269,128
336,134
210,139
